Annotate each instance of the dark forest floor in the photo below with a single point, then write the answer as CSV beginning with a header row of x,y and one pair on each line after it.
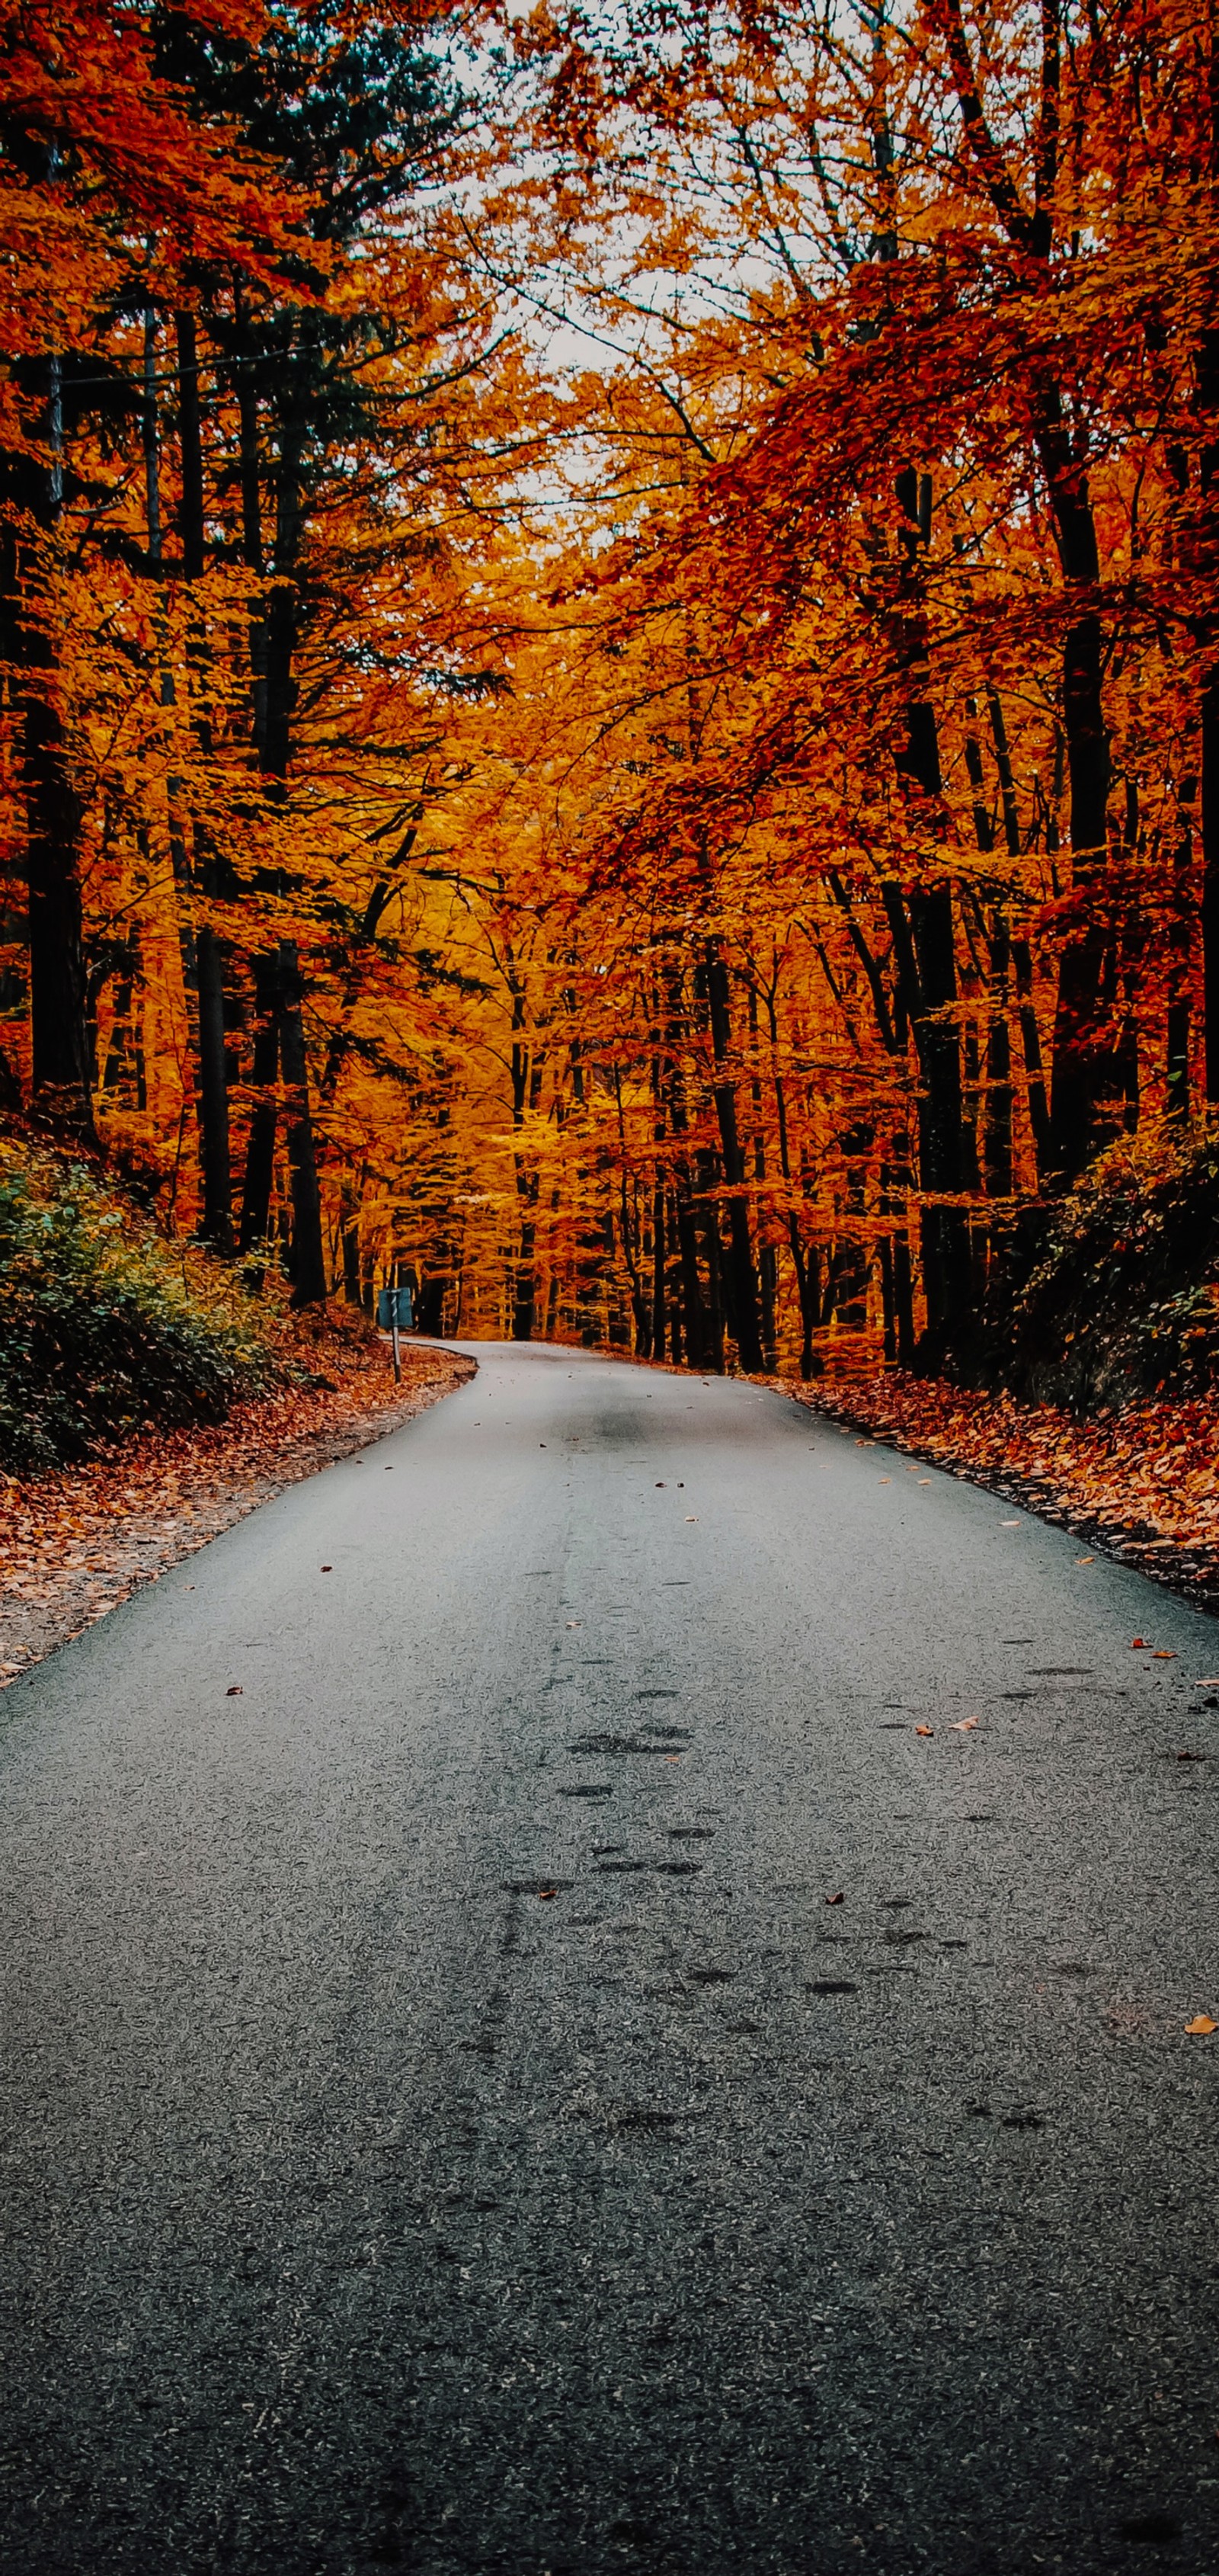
x,y
75,1543
1140,1484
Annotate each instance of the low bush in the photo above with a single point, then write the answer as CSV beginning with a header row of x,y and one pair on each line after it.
x,y
1123,1300
104,1326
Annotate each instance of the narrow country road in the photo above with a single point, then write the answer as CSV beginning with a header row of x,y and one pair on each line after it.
x,y
448,2127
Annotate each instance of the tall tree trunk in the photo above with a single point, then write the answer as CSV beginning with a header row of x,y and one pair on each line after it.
x,y
260,1144
659,1220
308,1250
807,1296
694,1320
924,942
58,999
1087,1082
742,1276
215,1156
58,996
1210,879
284,975
1208,401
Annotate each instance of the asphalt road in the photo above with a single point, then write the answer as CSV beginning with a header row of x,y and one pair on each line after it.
x,y
449,2126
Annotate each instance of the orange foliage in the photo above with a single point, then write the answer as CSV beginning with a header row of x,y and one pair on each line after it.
x,y
611,660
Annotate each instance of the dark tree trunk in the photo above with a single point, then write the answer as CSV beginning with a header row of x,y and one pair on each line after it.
x,y
903,1300
659,1256
190,443
1208,476
945,1230
351,1260
58,995
708,1176
260,1144
806,1284
207,963
659,1216
693,1313
1087,1083
741,1274
525,1286
58,1001
1019,951
1210,694
217,1226
308,1251
1179,1016
279,978
693,1310
924,945
1210,880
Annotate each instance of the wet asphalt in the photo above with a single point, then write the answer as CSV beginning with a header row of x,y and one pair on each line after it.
x,y
450,2121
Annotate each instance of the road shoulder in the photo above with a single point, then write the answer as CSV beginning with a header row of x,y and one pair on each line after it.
x,y
75,1544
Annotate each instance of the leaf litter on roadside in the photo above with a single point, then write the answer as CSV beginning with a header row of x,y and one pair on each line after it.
x,y
77,1542
1142,1479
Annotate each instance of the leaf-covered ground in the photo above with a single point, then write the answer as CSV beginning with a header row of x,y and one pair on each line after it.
x,y
75,1543
1140,1483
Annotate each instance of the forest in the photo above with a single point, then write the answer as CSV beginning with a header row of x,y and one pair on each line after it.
x,y
611,650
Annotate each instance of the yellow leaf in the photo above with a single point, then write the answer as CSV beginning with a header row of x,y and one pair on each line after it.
x,y
1201,2026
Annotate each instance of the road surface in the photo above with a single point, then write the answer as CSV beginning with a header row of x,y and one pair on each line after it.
x,y
451,2122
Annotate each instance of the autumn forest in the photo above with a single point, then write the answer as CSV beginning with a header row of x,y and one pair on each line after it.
x,y
611,644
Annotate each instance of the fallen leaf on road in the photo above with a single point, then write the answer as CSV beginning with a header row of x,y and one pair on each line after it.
x,y
691,1516
573,1623
1209,1681
924,1730
672,1757
545,1893
1009,1524
1137,1641
884,1480
839,1899
326,1569
234,1691
963,1725
1085,1560
1191,1757
1164,1655
1201,2026
660,1484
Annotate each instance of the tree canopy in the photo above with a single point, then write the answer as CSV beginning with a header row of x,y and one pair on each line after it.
x,y
611,643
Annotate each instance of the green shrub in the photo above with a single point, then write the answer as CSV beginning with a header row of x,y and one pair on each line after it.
x,y
104,1326
1124,1298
